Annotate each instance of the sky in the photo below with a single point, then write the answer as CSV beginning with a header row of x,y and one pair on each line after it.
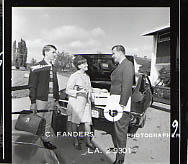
x,y
87,29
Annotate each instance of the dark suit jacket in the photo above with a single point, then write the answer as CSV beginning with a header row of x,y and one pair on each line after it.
x,y
122,81
39,83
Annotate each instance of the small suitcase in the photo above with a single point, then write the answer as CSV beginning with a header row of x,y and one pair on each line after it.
x,y
59,122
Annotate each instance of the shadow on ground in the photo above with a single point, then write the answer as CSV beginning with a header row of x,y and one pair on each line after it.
x,y
67,154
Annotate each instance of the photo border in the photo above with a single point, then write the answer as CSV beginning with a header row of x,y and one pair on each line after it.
x,y
175,143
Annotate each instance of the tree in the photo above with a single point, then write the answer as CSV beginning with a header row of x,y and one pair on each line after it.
x,y
33,61
164,75
17,63
63,60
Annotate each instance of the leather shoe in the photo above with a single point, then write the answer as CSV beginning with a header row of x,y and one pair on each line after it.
x,y
91,146
48,145
118,161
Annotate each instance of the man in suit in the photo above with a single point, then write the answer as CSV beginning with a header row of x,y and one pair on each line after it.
x,y
44,90
121,85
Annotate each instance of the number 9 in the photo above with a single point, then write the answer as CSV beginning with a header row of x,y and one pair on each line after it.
x,y
175,125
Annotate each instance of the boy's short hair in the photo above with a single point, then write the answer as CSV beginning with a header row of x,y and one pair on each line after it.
x,y
47,48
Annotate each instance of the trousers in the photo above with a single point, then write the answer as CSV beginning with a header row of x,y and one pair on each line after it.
x,y
119,134
43,105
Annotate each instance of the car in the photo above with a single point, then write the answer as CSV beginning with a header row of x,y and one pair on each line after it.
x,y
100,67
28,147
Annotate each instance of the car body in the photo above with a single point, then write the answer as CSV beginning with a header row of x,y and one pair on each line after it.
x,y
100,67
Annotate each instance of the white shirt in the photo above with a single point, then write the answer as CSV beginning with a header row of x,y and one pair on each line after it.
x,y
121,60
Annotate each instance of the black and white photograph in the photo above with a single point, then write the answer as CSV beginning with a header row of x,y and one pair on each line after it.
x,y
91,85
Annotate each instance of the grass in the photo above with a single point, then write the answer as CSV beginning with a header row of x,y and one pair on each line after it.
x,y
18,79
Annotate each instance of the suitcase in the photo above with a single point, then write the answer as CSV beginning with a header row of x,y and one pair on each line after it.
x,y
32,123
59,122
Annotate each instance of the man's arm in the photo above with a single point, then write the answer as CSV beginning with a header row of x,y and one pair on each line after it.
x,y
56,87
33,82
127,82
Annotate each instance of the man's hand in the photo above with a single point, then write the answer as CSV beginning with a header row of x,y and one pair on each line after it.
x,y
33,107
59,108
62,110
57,104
